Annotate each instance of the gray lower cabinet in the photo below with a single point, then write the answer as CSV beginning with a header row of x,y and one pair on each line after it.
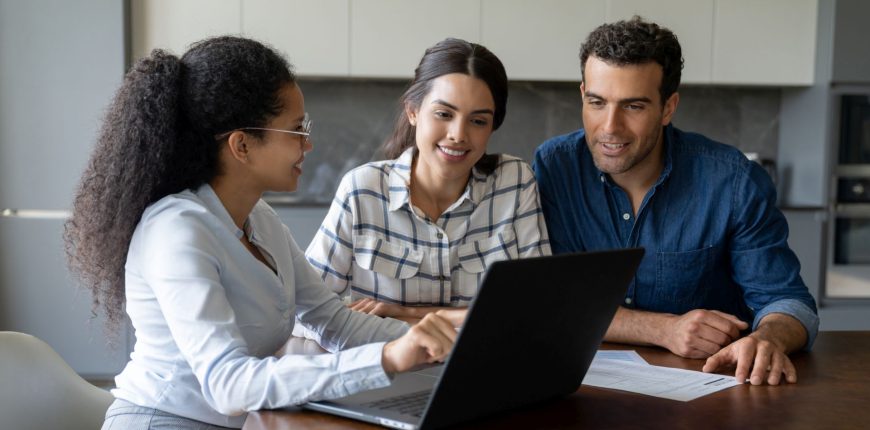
x,y
61,63
38,297
807,237
806,228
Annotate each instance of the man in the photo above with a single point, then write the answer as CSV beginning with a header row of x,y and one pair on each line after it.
x,y
717,264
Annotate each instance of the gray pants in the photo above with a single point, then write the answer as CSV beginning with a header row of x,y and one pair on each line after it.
x,y
123,415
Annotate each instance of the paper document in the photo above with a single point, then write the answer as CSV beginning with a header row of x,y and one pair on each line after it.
x,y
631,356
666,382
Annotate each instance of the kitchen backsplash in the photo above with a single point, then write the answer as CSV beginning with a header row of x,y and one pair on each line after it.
x,y
353,117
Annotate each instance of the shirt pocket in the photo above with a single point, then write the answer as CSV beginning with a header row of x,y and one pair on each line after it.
x,y
475,257
396,266
682,277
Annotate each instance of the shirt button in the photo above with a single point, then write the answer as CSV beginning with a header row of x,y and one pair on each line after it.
x,y
626,216
601,177
439,235
628,300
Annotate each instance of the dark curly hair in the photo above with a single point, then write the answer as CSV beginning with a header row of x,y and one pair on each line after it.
x,y
636,42
446,57
158,138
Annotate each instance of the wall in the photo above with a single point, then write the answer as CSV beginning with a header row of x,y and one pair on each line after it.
x,y
352,118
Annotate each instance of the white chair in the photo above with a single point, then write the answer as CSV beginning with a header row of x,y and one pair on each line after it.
x,y
38,390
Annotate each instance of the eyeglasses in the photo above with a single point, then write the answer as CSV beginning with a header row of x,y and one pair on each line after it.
x,y
306,129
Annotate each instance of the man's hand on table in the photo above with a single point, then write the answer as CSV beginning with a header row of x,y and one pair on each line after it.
x,y
701,333
766,361
763,355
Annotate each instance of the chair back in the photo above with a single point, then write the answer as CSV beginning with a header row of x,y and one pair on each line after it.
x,y
38,390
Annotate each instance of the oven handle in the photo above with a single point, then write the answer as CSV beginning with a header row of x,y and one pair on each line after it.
x,y
34,213
852,210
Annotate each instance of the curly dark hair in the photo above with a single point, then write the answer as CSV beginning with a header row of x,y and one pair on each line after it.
x,y
450,56
158,138
637,42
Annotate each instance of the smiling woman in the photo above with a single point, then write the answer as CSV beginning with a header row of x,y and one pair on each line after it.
x,y
273,154
414,233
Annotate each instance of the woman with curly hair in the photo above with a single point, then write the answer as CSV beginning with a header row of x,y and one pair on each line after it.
x,y
168,225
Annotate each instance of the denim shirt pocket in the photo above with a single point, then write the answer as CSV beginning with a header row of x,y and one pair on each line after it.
x,y
681,277
395,268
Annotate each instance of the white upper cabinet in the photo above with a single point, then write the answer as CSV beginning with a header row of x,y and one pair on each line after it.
x,y
770,42
690,20
539,40
388,37
313,34
175,24
731,42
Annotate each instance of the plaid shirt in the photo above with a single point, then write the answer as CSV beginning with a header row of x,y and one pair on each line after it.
x,y
375,242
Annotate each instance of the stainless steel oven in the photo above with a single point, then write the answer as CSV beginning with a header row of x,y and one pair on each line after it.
x,y
848,270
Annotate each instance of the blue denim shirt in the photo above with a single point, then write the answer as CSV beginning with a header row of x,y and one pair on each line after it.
x,y
713,235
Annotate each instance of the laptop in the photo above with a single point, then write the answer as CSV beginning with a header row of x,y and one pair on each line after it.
x,y
529,337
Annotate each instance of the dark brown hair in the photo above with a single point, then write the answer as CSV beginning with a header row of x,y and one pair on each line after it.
x,y
637,42
446,57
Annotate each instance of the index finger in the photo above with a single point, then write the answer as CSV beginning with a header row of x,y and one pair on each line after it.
x,y
745,359
726,323
732,318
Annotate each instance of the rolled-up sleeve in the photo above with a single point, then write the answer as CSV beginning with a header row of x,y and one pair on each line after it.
x,y
794,308
763,265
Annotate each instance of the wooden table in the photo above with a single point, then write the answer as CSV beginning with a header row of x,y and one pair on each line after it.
x,y
832,392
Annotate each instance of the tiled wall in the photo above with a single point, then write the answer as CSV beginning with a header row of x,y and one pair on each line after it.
x,y
353,117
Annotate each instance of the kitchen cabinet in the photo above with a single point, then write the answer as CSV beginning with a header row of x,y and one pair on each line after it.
x,y
806,239
690,20
174,24
61,63
732,42
314,34
539,40
851,50
388,37
723,42
769,42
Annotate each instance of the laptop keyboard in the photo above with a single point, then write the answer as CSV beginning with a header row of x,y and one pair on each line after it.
x,y
410,404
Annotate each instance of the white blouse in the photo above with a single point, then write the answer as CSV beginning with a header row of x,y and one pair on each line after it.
x,y
208,316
